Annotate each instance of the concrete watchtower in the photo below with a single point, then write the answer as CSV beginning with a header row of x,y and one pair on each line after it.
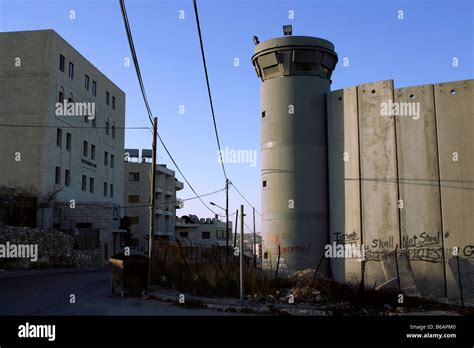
x,y
296,76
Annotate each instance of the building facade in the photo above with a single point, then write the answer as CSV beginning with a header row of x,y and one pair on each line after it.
x,y
62,131
203,231
137,198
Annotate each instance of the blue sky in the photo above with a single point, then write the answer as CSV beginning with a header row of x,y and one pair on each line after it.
x,y
416,50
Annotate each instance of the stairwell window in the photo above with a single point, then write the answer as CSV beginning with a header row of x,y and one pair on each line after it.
x,y
59,137
94,88
85,149
61,62
84,183
68,141
67,178
61,95
57,176
71,70
91,185
86,82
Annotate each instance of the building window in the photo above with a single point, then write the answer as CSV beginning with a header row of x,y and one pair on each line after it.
x,y
86,119
106,158
111,191
84,183
106,251
107,98
134,220
61,95
113,132
113,103
85,149
105,189
94,88
184,234
94,123
93,151
135,177
112,161
264,184
61,62
134,199
71,70
67,178
68,141
263,114
220,234
59,137
57,176
91,185
86,82
206,235
107,125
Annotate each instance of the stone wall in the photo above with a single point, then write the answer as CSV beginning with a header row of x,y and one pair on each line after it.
x,y
55,249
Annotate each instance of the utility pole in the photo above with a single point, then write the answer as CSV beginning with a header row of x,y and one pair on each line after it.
x,y
254,242
152,198
242,252
236,227
227,217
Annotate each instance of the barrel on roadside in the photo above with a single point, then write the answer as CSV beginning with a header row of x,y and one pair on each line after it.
x,y
129,274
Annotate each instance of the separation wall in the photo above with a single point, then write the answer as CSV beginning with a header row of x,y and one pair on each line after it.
x,y
416,182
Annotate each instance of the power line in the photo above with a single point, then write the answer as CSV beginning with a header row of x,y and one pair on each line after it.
x,y
61,126
241,195
180,172
135,59
150,115
148,205
208,87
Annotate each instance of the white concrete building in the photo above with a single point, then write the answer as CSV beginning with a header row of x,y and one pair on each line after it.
x,y
137,198
75,150
203,231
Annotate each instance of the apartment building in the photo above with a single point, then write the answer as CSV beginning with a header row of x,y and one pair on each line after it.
x,y
137,176
66,132
203,231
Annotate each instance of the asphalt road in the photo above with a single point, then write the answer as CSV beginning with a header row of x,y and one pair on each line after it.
x,y
49,294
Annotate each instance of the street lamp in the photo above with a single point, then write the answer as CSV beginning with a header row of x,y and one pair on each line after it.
x,y
216,205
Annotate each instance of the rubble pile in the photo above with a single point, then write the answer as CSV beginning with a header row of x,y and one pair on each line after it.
x,y
54,249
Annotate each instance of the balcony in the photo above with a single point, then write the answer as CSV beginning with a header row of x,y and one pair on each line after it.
x,y
178,185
